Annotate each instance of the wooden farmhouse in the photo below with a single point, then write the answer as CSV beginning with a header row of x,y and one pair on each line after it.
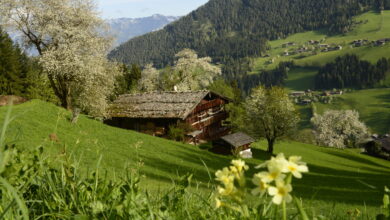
x,y
153,113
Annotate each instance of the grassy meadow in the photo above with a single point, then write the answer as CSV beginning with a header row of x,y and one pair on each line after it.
x,y
345,179
373,106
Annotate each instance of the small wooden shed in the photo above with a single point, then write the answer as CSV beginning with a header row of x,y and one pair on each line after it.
x,y
385,144
236,142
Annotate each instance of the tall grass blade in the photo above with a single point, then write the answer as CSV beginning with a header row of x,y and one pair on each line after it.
x,y
300,209
19,201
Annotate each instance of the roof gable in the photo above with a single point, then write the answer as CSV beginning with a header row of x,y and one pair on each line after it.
x,y
175,105
238,139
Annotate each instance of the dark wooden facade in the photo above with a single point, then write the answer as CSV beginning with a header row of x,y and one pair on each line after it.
x,y
153,113
208,117
236,142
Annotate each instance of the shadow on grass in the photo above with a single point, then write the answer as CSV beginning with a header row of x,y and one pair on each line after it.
x,y
329,184
359,160
302,83
305,114
380,122
321,183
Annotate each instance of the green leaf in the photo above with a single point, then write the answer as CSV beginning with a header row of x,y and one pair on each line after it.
x,y
300,209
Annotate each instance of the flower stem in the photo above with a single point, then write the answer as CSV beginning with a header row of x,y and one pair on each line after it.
x,y
284,210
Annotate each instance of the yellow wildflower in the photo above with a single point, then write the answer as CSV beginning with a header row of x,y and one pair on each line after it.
x,y
275,164
229,189
261,186
224,176
280,193
296,167
218,203
268,177
239,165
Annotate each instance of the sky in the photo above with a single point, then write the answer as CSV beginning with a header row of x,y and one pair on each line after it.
x,y
144,8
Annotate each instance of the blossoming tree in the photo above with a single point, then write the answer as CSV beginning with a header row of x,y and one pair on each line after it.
x,y
72,51
150,79
270,114
339,128
189,73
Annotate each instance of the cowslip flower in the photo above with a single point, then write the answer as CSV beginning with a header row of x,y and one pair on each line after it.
x,y
238,166
261,186
280,193
218,203
228,190
296,167
224,176
271,176
277,163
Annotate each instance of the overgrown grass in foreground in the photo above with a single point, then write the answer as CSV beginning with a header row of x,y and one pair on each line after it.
x,y
339,180
31,189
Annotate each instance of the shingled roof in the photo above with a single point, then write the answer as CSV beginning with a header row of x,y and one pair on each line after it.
x,y
176,105
238,139
385,144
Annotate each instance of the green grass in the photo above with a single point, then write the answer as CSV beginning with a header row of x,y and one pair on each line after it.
x,y
344,177
300,79
373,106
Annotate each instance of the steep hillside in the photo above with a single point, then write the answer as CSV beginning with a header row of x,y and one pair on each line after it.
x,y
124,29
336,176
239,28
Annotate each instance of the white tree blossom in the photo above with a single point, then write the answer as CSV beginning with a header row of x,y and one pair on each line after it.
x,y
193,73
150,79
72,51
339,129
190,73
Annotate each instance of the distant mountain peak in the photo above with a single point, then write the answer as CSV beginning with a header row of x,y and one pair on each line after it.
x,y
124,29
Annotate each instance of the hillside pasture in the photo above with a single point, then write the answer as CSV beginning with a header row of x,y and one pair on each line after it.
x,y
345,178
373,106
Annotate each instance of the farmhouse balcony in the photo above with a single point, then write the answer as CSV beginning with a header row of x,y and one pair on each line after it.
x,y
209,105
209,120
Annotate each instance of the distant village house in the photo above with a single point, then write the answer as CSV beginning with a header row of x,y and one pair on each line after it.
x,y
288,44
297,93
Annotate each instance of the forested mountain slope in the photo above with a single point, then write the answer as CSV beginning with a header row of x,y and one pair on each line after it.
x,y
232,29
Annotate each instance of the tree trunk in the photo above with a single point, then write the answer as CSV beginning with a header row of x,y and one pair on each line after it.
x,y
271,143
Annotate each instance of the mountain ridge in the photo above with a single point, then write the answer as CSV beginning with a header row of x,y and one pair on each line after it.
x,y
234,29
125,29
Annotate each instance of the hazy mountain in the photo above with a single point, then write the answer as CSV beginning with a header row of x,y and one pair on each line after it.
x,y
124,29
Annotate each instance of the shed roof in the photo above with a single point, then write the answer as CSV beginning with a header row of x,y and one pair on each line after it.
x,y
238,139
385,143
175,105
